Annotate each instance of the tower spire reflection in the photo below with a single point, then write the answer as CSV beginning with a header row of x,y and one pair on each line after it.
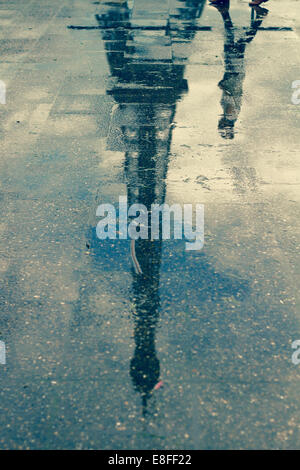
x,y
147,88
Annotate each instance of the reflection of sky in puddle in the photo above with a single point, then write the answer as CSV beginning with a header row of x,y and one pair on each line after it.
x,y
197,285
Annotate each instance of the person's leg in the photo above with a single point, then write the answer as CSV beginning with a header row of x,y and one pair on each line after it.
x,y
256,3
221,5
217,2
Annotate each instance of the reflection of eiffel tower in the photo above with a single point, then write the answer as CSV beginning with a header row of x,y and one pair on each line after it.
x,y
148,85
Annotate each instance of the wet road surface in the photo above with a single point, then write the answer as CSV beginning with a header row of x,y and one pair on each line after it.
x,y
174,102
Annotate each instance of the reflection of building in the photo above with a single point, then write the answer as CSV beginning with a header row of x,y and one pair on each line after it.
x,y
148,85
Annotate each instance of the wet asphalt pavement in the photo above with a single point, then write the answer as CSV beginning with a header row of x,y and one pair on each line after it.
x,y
162,101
